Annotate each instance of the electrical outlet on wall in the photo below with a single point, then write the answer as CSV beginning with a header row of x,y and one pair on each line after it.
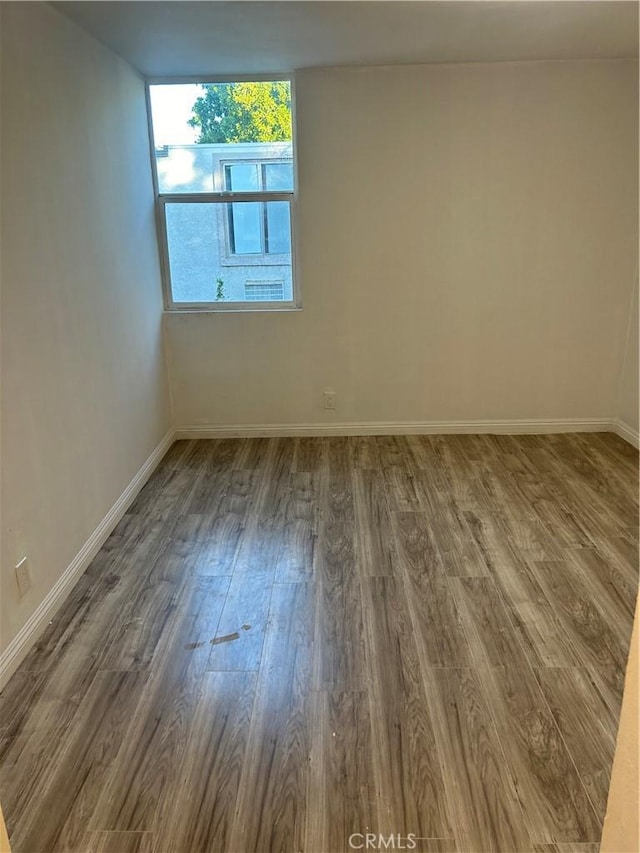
x,y
23,577
329,397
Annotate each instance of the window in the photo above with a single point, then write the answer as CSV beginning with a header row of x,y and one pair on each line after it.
x,y
225,172
260,228
257,291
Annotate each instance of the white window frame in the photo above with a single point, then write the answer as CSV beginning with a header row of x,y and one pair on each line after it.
x,y
224,197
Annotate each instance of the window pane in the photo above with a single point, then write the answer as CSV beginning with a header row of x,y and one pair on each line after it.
x,y
242,177
278,228
204,269
197,127
245,226
278,176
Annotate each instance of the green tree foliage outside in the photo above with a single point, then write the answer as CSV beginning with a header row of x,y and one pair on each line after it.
x,y
243,112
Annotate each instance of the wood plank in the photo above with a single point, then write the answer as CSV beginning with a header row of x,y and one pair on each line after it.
x,y
90,609
434,614
554,803
339,456
143,621
271,810
174,456
17,701
539,629
566,848
458,549
339,642
624,477
623,553
249,595
600,578
485,812
118,842
622,455
363,453
225,525
492,636
604,489
253,454
310,454
165,493
337,498
243,621
30,755
595,644
138,790
407,771
603,512
341,789
68,793
375,549
390,452
206,788
403,491
588,727
300,527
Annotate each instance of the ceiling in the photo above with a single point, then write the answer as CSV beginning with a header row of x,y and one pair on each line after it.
x,y
243,37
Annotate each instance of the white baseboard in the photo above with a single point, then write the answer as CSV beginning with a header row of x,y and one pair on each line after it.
x,y
17,650
508,427
628,433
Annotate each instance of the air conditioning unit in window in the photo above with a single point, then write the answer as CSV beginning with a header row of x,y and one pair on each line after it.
x,y
264,291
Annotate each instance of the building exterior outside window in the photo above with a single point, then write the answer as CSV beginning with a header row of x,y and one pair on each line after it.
x,y
233,252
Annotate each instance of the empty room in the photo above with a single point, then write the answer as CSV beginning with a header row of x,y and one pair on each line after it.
x,y
319,449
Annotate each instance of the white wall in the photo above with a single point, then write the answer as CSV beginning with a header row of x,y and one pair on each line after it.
x,y
467,240
627,407
84,392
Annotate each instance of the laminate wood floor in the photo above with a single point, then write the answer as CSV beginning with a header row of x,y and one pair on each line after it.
x,y
287,642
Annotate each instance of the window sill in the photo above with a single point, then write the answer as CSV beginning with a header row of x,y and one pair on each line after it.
x,y
256,261
235,309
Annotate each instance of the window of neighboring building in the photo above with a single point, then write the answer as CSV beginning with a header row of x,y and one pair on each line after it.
x,y
261,228
258,291
224,162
